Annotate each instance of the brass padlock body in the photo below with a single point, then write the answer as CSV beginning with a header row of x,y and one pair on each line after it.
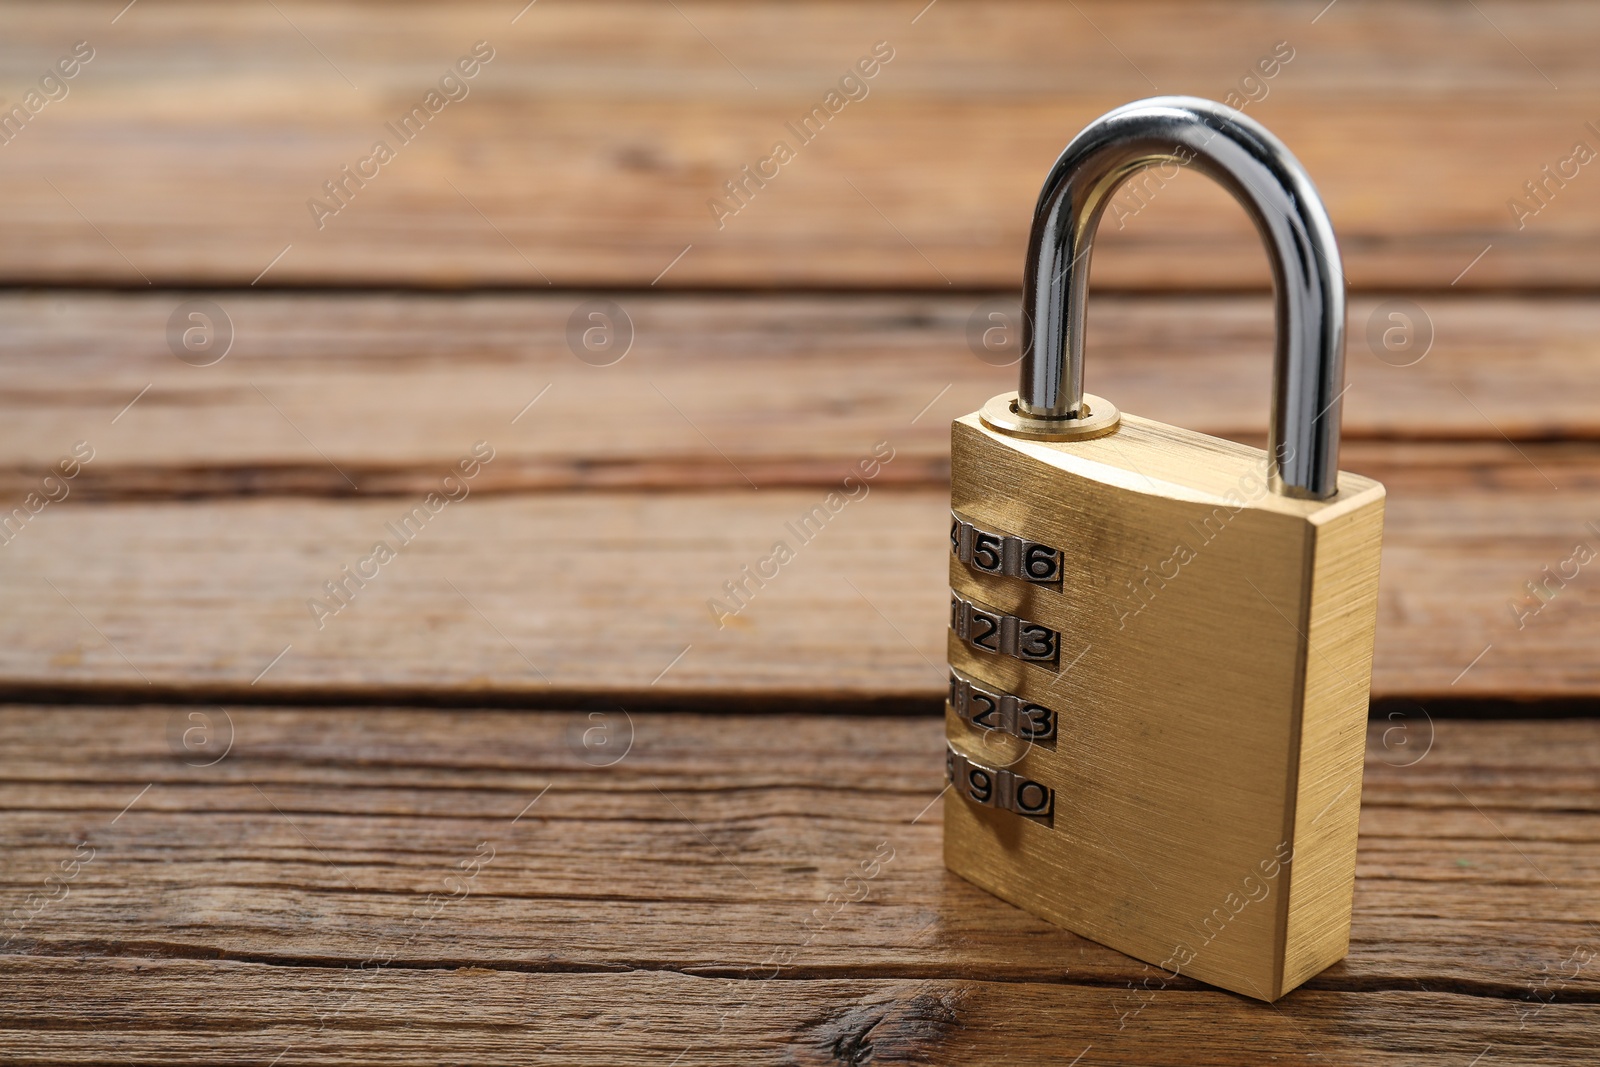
x,y
1210,696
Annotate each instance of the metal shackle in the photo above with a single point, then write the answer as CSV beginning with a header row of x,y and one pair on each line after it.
x,y
1308,281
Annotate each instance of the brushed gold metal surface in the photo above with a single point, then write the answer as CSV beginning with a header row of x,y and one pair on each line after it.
x,y
1216,653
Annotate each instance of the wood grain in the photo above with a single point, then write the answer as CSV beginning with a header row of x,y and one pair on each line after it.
x,y
639,902
538,598
380,394
588,150
247,1014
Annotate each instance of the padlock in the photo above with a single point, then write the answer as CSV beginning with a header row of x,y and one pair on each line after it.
x,y
1161,642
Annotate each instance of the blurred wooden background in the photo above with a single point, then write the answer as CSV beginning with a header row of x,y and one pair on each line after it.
x,y
352,358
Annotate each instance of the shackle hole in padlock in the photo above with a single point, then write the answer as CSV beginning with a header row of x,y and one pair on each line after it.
x,y
1098,417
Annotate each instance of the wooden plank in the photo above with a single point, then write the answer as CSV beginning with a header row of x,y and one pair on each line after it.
x,y
248,1014
325,395
677,878
537,599
350,829
588,150
352,816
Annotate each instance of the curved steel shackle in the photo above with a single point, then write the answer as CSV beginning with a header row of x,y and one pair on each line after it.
x,y
1253,165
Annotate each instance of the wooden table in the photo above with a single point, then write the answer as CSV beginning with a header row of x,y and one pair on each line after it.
x,y
521,794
